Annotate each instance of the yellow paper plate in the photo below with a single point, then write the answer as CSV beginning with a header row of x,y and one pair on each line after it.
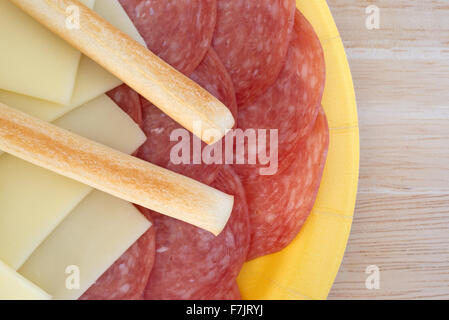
x,y
306,269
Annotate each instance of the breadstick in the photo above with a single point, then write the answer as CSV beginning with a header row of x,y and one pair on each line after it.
x,y
175,94
113,172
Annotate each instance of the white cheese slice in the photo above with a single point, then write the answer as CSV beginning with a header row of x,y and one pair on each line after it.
x,y
34,61
112,11
44,110
85,244
101,120
33,201
92,80
14,286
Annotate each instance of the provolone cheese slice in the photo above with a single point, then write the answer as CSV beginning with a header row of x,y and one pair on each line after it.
x,y
101,120
112,11
33,201
41,109
92,80
14,286
85,245
34,61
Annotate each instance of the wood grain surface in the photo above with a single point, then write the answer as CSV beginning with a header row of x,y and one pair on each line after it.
x,y
401,77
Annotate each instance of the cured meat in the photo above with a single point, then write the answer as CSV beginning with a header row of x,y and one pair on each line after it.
x,y
178,31
212,75
290,104
251,38
127,277
191,263
280,205
129,100
233,294
158,127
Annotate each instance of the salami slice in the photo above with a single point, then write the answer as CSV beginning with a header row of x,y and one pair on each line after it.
x,y
251,38
212,75
280,205
178,31
127,277
158,127
191,263
290,104
129,100
233,294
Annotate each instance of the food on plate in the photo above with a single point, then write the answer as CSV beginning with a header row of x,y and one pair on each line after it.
x,y
178,31
16,287
85,244
290,105
129,100
158,127
182,99
252,38
280,205
25,68
193,264
239,66
127,277
233,294
111,171
28,191
49,221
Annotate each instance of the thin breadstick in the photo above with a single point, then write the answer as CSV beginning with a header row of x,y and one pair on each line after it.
x,y
113,172
175,94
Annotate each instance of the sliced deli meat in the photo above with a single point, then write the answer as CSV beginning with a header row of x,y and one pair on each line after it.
x,y
178,31
251,38
212,75
192,263
280,205
309,73
129,100
290,105
233,294
158,127
127,277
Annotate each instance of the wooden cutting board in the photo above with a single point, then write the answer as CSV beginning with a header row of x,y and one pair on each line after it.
x,y
401,77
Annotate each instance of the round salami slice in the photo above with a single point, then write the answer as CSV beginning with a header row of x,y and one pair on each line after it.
x,y
251,38
178,31
290,104
127,277
191,263
129,100
158,127
280,205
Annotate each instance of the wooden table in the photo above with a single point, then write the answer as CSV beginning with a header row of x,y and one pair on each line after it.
x,y
401,76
